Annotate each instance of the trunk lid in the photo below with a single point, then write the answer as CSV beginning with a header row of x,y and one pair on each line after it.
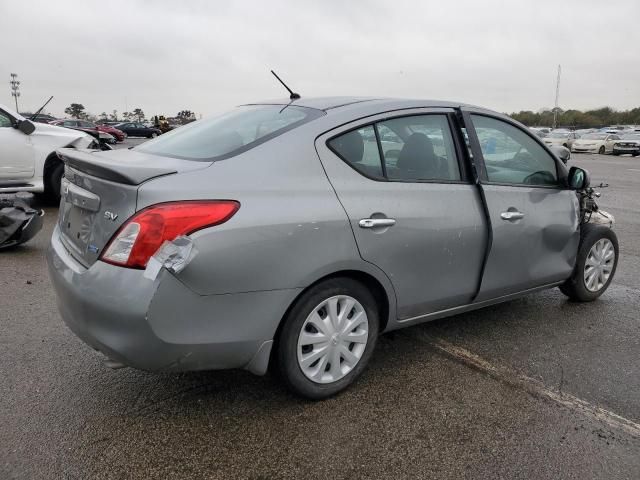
x,y
99,193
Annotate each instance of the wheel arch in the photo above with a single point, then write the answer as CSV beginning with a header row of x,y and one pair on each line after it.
x,y
50,163
381,290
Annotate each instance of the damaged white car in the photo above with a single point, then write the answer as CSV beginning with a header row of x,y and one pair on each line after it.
x,y
28,160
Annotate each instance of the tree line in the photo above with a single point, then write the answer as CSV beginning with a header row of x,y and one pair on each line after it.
x,y
600,117
77,110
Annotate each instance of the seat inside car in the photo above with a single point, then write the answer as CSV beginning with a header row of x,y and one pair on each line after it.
x,y
417,160
351,147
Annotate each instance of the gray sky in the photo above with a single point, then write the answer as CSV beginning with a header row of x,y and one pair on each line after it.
x,y
165,56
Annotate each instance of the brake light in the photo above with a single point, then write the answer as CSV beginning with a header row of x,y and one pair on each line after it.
x,y
144,233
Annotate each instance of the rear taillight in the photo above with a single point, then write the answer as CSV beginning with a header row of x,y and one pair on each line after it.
x,y
144,233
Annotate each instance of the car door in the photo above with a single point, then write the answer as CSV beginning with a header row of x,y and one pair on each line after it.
x,y
534,216
17,155
412,209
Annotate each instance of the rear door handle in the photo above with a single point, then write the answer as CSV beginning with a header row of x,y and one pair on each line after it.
x,y
511,216
376,222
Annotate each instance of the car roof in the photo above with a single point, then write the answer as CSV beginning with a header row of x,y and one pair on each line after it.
x,y
346,103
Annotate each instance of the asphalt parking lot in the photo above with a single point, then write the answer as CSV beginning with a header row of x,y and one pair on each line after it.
x,y
534,388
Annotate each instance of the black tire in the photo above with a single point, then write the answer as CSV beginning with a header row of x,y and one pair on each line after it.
x,y
287,341
601,150
616,153
575,287
53,181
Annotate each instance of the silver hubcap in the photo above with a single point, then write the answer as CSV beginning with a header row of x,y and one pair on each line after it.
x,y
333,339
599,265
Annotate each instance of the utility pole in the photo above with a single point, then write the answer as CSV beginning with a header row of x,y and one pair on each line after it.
x,y
555,109
15,88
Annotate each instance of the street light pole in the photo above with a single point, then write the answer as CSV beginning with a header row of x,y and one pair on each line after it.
x,y
555,109
15,88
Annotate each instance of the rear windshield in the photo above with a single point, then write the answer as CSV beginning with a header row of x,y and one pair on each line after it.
x,y
230,134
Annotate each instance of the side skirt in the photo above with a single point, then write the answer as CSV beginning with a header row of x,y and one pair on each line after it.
x,y
466,308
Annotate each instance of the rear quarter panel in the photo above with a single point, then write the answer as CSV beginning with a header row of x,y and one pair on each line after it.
x,y
289,231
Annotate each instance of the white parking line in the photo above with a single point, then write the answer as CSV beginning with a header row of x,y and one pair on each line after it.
x,y
536,387
634,169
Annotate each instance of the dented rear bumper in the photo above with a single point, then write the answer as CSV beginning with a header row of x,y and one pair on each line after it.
x,y
161,324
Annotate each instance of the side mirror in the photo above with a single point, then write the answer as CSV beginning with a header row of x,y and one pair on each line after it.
x,y
26,127
579,178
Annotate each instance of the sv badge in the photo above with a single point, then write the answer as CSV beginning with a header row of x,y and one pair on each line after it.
x,y
110,216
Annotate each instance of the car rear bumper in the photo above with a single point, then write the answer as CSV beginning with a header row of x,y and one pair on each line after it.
x,y
162,324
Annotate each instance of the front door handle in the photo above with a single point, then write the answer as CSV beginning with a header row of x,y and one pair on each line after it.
x,y
512,216
376,222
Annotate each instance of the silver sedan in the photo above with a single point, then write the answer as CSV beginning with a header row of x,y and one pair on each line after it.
x,y
291,234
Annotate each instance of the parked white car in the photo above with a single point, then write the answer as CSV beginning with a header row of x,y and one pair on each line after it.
x,y
560,138
595,143
28,160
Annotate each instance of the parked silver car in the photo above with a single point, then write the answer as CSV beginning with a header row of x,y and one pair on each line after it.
x,y
286,234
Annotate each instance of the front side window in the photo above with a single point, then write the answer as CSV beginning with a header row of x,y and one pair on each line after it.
x,y
5,120
415,148
511,156
231,133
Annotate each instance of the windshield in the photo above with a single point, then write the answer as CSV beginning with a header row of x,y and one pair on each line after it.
x,y
595,136
230,134
558,134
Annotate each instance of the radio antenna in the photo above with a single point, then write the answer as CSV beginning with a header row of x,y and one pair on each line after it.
x,y
292,94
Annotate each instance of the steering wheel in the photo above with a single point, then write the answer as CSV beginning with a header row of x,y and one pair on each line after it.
x,y
541,177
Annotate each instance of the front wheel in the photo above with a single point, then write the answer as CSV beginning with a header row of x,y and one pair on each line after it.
x,y
53,182
595,264
153,135
327,338
601,150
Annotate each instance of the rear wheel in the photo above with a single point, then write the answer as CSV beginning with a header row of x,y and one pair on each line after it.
x,y
153,135
327,338
601,150
595,264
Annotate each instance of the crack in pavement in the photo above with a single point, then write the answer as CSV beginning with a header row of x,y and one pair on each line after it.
x,y
532,386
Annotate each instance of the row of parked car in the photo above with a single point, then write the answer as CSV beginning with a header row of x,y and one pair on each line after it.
x,y
108,131
614,140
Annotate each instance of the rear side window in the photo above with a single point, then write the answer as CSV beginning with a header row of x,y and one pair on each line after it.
x,y
419,148
415,148
360,149
229,134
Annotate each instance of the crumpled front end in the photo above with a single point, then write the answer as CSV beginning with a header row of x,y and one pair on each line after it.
x,y
600,217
